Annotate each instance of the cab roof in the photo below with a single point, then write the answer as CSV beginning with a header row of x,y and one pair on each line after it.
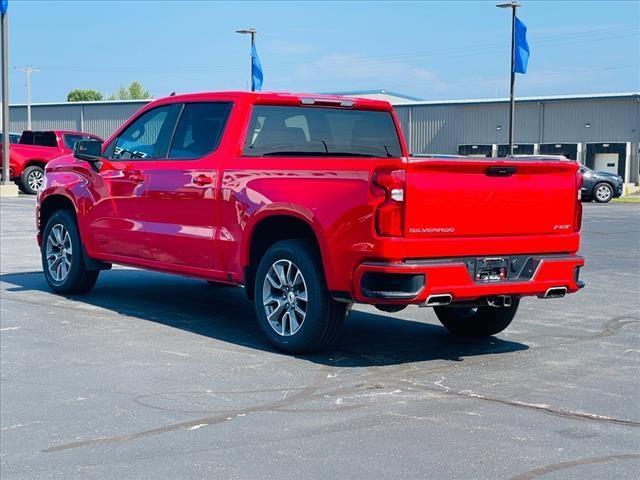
x,y
282,98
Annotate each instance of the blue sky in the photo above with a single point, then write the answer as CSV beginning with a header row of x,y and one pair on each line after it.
x,y
433,50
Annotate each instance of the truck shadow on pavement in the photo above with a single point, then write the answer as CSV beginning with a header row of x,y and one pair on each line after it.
x,y
225,314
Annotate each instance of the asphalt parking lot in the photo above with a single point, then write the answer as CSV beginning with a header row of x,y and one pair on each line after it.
x,y
155,376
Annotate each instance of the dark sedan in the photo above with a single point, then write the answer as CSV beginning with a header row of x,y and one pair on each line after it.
x,y
600,186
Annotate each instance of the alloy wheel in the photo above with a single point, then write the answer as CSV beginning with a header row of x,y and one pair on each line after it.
x,y
35,180
603,193
284,297
59,252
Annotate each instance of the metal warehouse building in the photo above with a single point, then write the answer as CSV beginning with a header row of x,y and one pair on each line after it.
x,y
601,131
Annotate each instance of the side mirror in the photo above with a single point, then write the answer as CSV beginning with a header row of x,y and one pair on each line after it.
x,y
89,151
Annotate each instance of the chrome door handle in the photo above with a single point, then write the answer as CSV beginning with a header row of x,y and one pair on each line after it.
x,y
135,176
202,180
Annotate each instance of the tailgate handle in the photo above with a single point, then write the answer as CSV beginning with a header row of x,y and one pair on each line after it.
x,y
500,171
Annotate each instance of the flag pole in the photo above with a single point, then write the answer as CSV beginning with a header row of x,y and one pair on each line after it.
x,y
253,44
512,98
252,32
512,101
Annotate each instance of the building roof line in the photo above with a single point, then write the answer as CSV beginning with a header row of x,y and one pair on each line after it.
x,y
92,102
382,91
414,100
545,98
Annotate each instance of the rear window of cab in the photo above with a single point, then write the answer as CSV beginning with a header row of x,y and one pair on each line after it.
x,y
317,131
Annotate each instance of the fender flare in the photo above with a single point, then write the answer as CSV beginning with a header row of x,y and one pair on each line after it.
x,y
287,210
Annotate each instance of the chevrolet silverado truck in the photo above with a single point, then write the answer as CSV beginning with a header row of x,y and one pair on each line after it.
x,y
311,203
31,153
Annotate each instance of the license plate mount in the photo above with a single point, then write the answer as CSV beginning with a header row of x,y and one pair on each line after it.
x,y
491,269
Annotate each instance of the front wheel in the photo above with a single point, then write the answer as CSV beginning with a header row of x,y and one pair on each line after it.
x,y
603,192
32,179
293,306
477,322
62,259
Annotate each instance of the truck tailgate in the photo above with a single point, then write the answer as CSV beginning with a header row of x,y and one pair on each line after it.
x,y
489,197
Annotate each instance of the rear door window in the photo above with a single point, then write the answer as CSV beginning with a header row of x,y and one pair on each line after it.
x,y
71,139
42,139
199,129
317,131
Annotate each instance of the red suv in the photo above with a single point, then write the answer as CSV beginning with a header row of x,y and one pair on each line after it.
x,y
311,203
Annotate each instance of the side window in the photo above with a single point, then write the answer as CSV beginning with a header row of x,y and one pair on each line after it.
x,y
70,140
148,136
199,129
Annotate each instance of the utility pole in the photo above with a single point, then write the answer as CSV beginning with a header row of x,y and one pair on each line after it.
x,y
28,71
512,108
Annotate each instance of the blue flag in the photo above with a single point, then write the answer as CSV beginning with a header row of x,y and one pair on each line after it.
x,y
4,5
256,71
521,54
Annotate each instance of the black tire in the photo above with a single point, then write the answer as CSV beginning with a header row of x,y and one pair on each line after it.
x,y
477,322
602,192
323,316
78,279
30,178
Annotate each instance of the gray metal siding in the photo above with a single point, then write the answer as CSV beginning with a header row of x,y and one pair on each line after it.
x,y
98,118
103,120
609,120
61,117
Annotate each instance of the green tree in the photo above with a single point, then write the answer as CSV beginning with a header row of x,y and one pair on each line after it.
x,y
84,95
135,91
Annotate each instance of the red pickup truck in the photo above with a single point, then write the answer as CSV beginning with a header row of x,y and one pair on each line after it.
x,y
28,157
311,203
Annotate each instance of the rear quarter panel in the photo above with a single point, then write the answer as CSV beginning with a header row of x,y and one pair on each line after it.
x,y
331,195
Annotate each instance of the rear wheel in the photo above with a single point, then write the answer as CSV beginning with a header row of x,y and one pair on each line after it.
x,y
602,192
62,259
32,179
477,322
293,306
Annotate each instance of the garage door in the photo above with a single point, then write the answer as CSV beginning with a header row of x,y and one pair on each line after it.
x,y
606,162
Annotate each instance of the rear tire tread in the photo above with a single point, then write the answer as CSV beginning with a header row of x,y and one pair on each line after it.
x,y
328,313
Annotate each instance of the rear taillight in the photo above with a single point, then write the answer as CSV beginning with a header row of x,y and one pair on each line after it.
x,y
390,213
577,221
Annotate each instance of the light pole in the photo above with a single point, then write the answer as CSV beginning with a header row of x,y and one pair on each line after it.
x,y
252,32
28,71
513,6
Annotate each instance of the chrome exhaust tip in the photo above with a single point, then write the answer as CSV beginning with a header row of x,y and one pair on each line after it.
x,y
555,292
438,300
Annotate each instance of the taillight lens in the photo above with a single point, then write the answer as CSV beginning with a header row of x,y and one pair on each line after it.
x,y
577,221
390,213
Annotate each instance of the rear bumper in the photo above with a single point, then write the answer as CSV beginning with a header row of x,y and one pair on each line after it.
x,y
425,278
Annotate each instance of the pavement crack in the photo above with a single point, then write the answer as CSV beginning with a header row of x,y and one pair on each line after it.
x,y
538,472
560,412
299,397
